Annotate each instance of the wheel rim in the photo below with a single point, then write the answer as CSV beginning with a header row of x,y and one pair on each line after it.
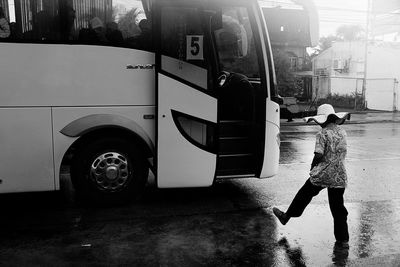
x,y
110,171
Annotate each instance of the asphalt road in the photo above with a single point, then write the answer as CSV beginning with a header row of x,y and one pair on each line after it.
x,y
229,224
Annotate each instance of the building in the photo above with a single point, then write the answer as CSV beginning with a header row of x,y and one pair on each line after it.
x,y
339,70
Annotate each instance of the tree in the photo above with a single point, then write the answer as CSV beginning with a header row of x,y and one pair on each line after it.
x,y
350,32
128,24
343,33
326,42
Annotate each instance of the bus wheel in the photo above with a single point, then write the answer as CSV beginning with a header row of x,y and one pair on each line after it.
x,y
109,170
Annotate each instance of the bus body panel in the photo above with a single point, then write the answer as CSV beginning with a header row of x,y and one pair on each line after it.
x,y
272,127
179,162
64,116
74,75
26,159
272,142
50,94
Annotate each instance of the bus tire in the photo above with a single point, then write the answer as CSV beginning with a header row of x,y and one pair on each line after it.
x,y
109,170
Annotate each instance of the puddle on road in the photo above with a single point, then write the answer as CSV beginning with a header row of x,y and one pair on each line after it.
x,y
250,237
373,228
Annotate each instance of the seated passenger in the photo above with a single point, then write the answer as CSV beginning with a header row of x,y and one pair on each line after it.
x,y
4,25
113,34
95,34
97,25
66,20
45,26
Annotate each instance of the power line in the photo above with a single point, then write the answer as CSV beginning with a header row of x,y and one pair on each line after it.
x,y
341,9
330,8
340,21
289,3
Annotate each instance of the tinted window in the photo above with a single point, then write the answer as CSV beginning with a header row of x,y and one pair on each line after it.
x,y
184,46
100,22
182,35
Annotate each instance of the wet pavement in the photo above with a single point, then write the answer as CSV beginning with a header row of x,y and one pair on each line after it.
x,y
357,117
229,224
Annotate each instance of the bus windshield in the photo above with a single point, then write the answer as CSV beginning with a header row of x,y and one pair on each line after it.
x,y
235,43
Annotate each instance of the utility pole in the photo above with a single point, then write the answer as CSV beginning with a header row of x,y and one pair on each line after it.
x,y
364,85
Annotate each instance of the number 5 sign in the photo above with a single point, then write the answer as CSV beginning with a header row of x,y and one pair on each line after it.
x,y
194,47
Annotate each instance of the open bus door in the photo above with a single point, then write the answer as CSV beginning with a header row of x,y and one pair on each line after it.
x,y
212,87
186,106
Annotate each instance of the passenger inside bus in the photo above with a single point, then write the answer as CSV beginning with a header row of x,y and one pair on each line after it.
x,y
235,43
237,63
4,25
95,34
67,17
45,26
113,34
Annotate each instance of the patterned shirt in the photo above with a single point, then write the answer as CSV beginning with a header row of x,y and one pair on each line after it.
x,y
330,172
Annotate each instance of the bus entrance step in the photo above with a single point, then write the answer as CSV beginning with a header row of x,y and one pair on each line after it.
x,y
236,161
234,128
234,145
233,173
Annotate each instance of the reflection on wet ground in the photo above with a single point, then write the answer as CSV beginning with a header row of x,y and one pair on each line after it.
x,y
365,141
373,162
340,255
294,255
229,224
219,226
373,228
224,239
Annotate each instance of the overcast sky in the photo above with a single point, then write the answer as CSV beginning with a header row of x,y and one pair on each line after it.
x,y
332,14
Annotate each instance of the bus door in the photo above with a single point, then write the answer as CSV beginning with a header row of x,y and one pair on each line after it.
x,y
186,104
212,91
242,90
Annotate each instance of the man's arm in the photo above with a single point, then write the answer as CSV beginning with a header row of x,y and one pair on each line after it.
x,y
317,159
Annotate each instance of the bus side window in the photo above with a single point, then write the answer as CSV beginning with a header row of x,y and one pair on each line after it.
x,y
100,22
183,45
182,35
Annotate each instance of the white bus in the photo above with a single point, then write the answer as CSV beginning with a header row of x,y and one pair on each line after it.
x,y
115,88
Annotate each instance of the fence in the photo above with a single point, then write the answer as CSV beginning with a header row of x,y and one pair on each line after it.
x,y
380,94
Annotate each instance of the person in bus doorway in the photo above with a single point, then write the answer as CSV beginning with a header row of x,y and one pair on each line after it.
x,y
4,25
327,171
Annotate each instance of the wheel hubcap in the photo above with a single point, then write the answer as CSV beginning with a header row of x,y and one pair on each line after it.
x,y
110,171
